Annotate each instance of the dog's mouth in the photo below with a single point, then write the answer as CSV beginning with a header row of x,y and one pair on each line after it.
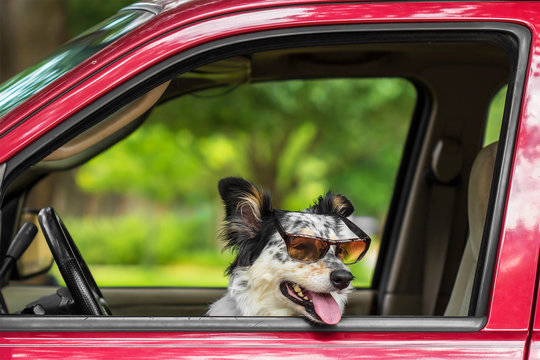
x,y
322,307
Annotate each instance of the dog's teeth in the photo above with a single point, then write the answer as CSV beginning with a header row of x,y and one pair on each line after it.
x,y
298,290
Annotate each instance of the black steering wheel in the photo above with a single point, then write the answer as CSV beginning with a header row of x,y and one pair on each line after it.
x,y
81,284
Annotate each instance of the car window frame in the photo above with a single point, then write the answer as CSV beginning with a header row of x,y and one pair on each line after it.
x,y
516,37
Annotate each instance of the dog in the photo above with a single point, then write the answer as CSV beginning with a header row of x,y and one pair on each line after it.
x,y
287,263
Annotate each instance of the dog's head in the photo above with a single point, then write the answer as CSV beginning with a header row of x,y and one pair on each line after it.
x,y
265,277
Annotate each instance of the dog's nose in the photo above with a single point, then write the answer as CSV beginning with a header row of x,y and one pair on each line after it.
x,y
341,278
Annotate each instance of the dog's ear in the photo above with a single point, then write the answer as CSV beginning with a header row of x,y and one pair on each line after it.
x,y
246,208
245,204
333,204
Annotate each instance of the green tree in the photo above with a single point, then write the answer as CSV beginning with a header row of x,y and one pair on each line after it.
x,y
296,139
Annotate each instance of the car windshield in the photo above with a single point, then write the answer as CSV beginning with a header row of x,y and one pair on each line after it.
x,y
34,79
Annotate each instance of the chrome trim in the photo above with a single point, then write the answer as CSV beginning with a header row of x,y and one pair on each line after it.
x,y
144,6
369,324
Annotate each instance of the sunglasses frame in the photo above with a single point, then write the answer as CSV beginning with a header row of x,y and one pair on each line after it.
x,y
362,236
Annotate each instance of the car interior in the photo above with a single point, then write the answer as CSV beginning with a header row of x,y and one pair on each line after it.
x,y
432,251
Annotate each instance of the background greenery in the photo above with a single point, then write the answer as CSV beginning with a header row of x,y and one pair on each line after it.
x,y
297,139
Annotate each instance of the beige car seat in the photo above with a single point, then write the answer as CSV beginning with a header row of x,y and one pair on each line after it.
x,y
478,198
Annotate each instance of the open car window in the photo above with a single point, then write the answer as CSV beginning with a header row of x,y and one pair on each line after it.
x,y
333,116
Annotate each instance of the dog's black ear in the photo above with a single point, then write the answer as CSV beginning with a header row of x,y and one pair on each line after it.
x,y
333,204
245,204
247,208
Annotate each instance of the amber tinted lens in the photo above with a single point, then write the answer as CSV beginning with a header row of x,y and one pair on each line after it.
x,y
306,249
351,252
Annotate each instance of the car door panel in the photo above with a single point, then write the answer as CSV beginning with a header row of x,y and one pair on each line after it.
x,y
502,331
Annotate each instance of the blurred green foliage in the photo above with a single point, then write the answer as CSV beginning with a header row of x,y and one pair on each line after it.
x,y
145,238
297,139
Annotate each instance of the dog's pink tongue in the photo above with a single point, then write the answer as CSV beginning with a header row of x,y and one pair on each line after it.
x,y
326,307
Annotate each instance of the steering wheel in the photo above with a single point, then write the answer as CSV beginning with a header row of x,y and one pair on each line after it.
x,y
81,284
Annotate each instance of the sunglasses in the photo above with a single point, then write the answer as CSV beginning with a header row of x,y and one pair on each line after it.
x,y
308,248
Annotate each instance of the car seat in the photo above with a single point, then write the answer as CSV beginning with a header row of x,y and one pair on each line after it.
x,y
480,180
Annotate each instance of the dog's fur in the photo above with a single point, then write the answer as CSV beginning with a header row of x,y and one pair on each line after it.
x,y
262,265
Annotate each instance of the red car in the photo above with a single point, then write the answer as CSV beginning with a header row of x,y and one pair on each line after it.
x,y
457,272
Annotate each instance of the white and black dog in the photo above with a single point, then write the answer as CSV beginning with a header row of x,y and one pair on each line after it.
x,y
287,263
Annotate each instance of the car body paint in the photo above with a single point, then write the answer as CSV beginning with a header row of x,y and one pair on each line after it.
x,y
183,25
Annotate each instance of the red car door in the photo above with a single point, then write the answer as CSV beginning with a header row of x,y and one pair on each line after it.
x,y
499,327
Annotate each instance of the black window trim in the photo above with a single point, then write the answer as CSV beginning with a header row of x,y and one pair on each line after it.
x,y
501,175
517,37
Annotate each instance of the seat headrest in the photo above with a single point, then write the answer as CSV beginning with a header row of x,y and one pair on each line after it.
x,y
479,190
